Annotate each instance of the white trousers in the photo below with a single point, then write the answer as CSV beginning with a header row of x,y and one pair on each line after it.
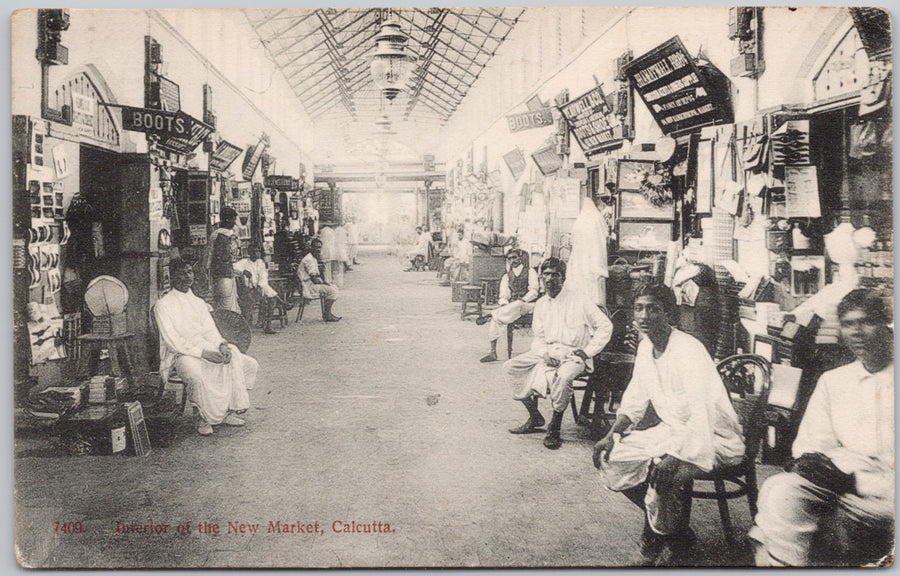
x,y
219,388
527,374
507,314
797,519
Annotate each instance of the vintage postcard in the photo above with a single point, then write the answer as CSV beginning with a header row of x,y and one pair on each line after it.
x,y
453,287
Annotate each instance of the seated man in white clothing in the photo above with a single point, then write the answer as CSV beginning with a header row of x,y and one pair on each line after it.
x,y
312,283
218,373
675,421
568,332
834,505
254,269
423,243
518,292
456,266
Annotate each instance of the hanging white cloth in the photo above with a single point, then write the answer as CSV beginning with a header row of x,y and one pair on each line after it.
x,y
588,265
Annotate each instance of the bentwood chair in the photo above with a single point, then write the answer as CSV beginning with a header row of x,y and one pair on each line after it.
x,y
747,377
302,300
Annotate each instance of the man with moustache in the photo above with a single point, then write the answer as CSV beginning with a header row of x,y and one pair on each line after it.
x,y
568,332
675,421
835,500
218,374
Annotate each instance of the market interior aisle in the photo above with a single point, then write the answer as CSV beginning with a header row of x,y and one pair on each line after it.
x,y
386,416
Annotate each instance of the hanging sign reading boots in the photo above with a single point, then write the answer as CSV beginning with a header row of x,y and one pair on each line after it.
x,y
156,121
678,94
530,119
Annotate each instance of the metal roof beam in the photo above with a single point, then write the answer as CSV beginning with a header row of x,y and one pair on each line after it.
x,y
291,27
488,35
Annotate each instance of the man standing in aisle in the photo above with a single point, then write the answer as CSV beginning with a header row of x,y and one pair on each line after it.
x,y
224,250
840,484
217,373
518,292
312,283
353,240
675,421
568,332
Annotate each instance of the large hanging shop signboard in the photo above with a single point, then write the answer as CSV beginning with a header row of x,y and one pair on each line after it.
x,y
593,121
676,92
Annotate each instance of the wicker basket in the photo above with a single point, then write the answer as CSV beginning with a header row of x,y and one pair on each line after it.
x,y
109,325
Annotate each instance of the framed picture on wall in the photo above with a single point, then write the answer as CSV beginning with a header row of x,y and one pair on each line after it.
x,y
644,235
632,203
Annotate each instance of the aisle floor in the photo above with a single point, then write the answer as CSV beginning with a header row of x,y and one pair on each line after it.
x,y
386,416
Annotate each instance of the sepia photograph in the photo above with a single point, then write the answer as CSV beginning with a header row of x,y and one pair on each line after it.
x,y
452,287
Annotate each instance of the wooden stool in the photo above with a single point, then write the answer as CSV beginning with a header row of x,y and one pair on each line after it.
x,y
491,287
276,310
113,344
457,295
471,294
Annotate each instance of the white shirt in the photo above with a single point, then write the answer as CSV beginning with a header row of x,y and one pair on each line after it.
x,y
850,419
259,274
688,395
567,323
530,296
308,268
185,327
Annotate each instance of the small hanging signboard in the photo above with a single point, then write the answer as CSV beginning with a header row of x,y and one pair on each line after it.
x,y
593,121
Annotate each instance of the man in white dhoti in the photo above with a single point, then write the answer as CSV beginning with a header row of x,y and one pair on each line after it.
x,y
518,292
568,332
352,240
254,270
342,247
674,422
423,242
218,374
834,505
460,256
312,283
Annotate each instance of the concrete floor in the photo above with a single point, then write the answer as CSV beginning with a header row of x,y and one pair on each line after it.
x,y
386,416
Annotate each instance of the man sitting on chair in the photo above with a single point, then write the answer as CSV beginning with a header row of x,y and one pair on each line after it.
x,y
253,268
312,283
568,332
217,372
518,291
841,481
423,242
674,422
460,255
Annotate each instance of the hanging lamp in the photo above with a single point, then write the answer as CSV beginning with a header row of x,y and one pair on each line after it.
x,y
390,65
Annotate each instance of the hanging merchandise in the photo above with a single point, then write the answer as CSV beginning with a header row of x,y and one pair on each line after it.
x,y
790,144
864,139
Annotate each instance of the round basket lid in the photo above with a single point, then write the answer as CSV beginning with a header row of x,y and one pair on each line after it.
x,y
106,295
